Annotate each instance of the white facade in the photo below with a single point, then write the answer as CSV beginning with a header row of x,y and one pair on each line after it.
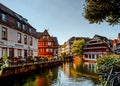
x,y
15,49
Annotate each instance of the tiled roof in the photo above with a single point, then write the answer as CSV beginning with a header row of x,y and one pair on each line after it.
x,y
97,39
56,41
12,13
39,34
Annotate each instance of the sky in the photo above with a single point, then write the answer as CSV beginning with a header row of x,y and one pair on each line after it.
x,y
62,18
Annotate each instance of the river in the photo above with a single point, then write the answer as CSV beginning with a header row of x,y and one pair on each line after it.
x,y
75,73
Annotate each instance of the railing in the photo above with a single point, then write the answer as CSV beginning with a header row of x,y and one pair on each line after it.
x,y
94,47
113,79
22,62
95,53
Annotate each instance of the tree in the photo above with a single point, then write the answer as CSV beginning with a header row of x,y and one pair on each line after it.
x,y
106,62
77,47
97,11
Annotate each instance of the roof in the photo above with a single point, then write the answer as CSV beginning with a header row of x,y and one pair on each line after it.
x,y
39,34
12,13
56,41
97,39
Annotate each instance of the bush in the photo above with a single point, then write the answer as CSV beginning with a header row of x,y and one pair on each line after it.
x,y
105,63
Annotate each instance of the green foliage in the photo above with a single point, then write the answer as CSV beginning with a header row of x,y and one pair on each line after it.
x,y
63,54
77,47
105,63
5,63
4,57
97,11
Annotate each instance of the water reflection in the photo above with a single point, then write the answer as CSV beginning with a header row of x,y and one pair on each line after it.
x,y
76,73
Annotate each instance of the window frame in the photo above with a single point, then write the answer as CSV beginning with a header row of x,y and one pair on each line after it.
x,y
4,17
19,39
23,26
25,39
30,40
3,51
49,43
4,33
19,52
18,24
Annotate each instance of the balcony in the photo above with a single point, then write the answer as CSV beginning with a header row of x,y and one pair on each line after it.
x,y
94,48
95,53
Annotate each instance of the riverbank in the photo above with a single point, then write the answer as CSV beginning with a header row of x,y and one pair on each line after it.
x,y
22,68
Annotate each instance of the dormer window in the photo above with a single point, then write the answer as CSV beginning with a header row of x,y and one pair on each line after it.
x,y
23,26
30,30
4,18
18,25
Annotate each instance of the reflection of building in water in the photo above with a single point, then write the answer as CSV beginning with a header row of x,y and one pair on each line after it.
x,y
77,61
39,81
66,68
90,66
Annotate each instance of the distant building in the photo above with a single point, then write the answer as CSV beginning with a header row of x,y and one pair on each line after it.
x,y
119,37
118,49
17,36
47,45
116,45
61,50
66,47
96,47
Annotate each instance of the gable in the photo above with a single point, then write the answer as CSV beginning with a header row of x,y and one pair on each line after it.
x,y
45,37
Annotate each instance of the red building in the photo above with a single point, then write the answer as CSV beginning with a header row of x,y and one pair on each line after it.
x,y
116,45
47,45
96,47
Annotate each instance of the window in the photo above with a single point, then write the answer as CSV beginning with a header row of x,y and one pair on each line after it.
x,y
18,25
19,37
19,52
49,43
4,18
51,50
30,30
23,26
30,40
31,53
44,37
47,50
25,39
4,33
11,52
4,51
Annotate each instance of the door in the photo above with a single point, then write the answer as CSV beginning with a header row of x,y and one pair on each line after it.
x,y
25,53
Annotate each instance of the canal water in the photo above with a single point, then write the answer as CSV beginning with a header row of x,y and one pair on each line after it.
x,y
75,73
